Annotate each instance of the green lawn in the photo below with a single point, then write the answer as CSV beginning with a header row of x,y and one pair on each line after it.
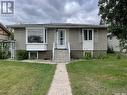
x,y
25,78
98,77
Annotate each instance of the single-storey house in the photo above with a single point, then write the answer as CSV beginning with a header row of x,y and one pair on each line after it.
x,y
113,42
60,41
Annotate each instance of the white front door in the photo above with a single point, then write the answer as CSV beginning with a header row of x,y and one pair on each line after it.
x,y
61,38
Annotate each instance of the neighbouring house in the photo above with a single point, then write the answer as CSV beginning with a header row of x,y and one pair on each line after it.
x,y
113,42
7,45
4,33
60,41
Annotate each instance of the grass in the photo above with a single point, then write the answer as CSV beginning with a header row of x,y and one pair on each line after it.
x,y
99,77
25,78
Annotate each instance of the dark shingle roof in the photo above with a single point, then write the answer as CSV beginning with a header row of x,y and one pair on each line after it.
x,y
57,25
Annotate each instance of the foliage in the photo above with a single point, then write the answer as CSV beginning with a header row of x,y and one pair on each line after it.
x,y
110,50
21,54
87,55
114,13
102,56
118,56
4,51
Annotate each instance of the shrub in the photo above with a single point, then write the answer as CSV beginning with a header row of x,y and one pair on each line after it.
x,y
4,54
87,55
110,50
118,56
102,56
21,54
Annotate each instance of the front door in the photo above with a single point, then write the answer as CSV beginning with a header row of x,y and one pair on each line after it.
x,y
61,40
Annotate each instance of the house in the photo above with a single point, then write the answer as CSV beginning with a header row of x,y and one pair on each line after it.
x,y
60,41
113,42
4,33
7,45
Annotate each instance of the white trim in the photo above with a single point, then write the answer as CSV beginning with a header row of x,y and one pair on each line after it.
x,y
93,37
36,43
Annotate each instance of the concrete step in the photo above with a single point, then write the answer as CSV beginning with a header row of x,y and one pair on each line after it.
x,y
61,56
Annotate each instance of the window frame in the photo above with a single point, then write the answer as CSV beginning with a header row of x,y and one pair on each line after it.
x,y
87,38
44,34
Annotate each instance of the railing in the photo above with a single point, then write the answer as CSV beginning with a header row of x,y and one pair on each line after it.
x,y
55,45
53,49
69,51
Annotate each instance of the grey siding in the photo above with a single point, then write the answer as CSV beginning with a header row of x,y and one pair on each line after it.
x,y
100,39
20,37
51,38
75,39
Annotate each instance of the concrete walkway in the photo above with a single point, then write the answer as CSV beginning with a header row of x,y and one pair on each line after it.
x,y
60,84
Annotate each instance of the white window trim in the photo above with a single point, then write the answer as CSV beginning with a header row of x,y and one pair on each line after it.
x,y
34,28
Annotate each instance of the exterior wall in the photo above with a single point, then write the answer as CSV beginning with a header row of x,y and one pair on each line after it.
x,y
113,43
76,54
100,39
100,42
45,55
20,37
99,53
73,36
51,38
75,39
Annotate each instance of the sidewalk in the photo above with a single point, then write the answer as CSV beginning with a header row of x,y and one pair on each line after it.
x,y
60,84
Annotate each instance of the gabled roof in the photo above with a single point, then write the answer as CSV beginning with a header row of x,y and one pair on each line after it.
x,y
4,28
57,25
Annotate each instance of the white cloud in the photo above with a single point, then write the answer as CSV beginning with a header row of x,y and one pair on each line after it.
x,y
71,7
46,11
84,17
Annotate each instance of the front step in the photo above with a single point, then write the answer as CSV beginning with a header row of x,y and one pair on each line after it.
x,y
61,56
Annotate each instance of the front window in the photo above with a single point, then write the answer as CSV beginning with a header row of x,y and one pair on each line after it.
x,y
87,34
36,36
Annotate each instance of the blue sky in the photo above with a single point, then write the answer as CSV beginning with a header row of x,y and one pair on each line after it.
x,y
54,11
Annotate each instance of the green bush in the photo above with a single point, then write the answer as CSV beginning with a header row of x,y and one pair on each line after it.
x,y
4,54
110,50
87,55
102,56
118,56
21,54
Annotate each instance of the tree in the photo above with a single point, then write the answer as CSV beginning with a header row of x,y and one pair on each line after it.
x,y
114,14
